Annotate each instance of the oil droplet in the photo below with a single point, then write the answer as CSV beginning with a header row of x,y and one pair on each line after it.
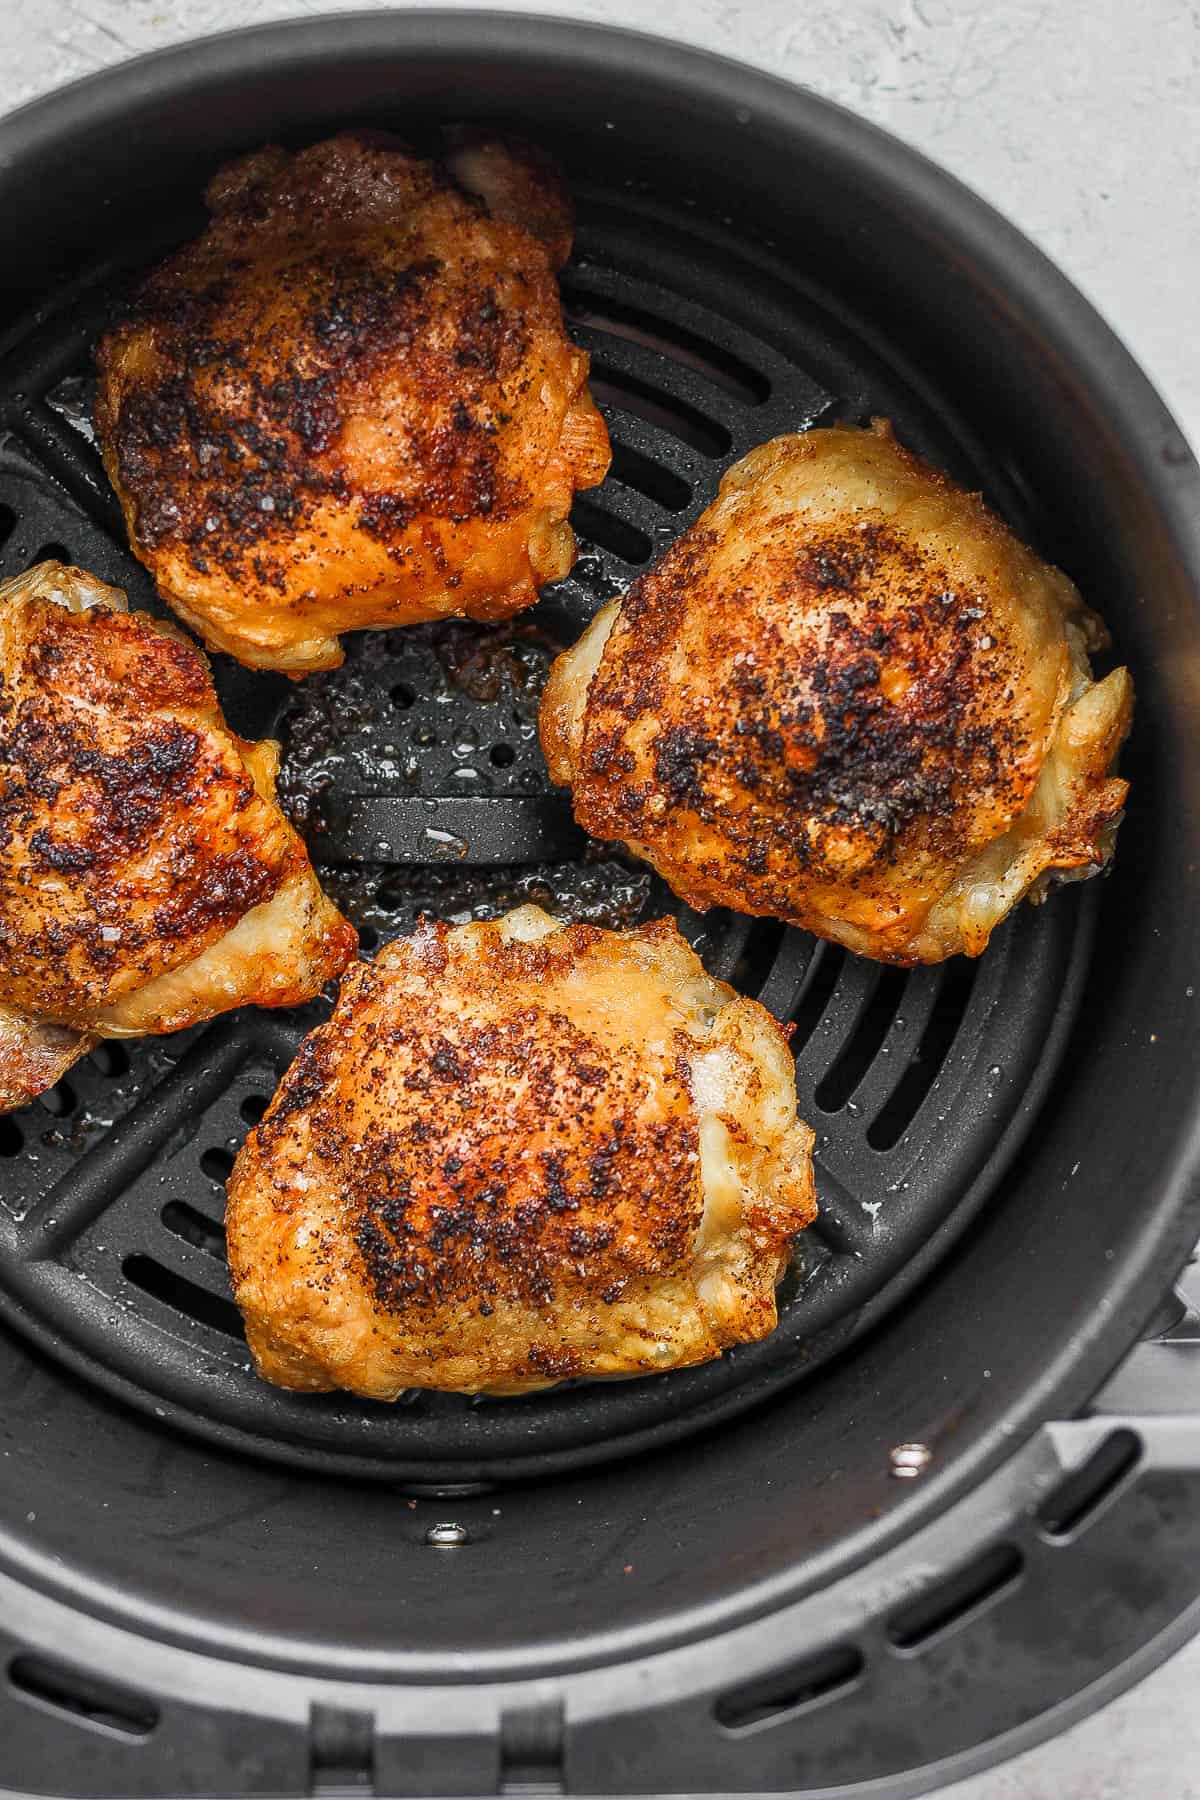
x,y
447,1536
907,1461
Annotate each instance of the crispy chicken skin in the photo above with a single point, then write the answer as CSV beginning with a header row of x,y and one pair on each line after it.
x,y
848,697
351,401
147,877
520,1152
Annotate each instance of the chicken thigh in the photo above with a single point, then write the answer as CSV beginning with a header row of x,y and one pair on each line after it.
x,y
848,697
351,401
147,877
520,1152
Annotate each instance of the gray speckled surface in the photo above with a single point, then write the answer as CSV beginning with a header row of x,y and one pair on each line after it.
x,y
1081,121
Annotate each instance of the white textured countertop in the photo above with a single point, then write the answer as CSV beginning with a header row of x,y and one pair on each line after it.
x,y
1079,119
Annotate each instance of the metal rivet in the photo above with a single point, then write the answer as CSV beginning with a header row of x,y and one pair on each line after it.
x,y
909,1460
447,1537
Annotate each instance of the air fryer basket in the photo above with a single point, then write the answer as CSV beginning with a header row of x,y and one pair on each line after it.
x,y
713,1580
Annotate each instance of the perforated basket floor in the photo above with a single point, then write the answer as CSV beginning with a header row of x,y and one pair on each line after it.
x,y
416,774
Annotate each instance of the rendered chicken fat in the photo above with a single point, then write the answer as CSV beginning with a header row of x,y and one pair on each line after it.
x,y
148,879
520,1152
849,698
351,402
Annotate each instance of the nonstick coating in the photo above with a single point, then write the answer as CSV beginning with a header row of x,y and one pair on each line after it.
x,y
1020,1317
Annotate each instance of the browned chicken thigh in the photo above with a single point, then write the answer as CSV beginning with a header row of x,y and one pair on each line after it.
x,y
147,877
520,1152
848,697
351,402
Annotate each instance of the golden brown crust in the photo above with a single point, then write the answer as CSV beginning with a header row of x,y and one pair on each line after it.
x,y
486,1172
137,833
34,1055
830,697
351,402
516,180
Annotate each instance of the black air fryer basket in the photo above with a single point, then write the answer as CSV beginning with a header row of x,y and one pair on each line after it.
x,y
922,1523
